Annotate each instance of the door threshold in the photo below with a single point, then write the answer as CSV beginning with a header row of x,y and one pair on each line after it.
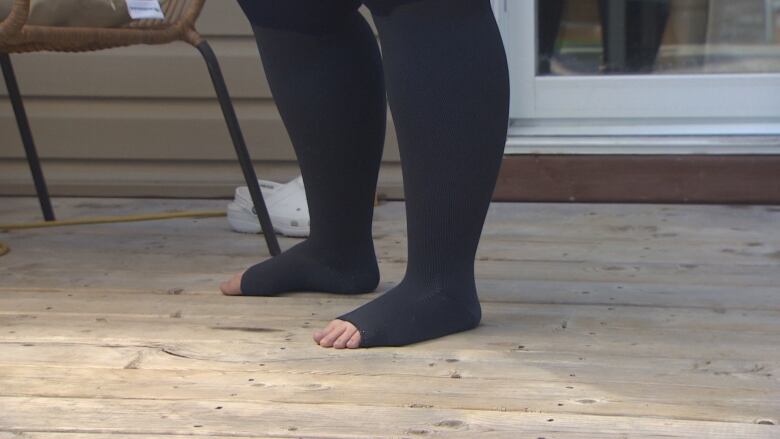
x,y
644,145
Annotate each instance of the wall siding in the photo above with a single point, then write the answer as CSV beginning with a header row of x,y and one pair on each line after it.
x,y
143,120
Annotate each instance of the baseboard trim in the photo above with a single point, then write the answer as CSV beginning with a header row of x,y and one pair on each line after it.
x,y
728,179
724,179
158,179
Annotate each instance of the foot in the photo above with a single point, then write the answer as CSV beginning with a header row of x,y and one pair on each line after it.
x,y
232,287
338,334
306,268
406,314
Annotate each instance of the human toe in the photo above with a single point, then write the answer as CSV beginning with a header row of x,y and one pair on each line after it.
x,y
332,335
318,335
354,341
344,338
232,287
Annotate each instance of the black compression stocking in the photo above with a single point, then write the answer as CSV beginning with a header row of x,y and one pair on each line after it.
x,y
325,72
447,84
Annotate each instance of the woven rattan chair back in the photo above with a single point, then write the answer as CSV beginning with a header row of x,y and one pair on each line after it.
x,y
17,36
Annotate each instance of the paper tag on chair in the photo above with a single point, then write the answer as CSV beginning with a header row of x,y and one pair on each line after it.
x,y
145,9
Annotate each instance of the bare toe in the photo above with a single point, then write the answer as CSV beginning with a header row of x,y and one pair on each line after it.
x,y
354,341
232,287
330,337
341,342
339,334
318,335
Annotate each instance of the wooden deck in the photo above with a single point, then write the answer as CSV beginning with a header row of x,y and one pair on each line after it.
x,y
599,321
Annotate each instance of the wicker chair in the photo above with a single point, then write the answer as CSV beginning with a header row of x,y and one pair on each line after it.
x,y
16,36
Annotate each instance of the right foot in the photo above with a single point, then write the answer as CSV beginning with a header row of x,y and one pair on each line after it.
x,y
232,287
302,268
408,313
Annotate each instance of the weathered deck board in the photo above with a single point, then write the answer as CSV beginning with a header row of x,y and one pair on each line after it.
x,y
614,321
201,417
86,435
551,395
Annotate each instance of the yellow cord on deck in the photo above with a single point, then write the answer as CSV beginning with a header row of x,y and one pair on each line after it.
x,y
108,219
114,219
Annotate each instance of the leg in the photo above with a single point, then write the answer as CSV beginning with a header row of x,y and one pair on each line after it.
x,y
240,145
27,138
632,33
549,13
448,87
324,68
612,14
646,23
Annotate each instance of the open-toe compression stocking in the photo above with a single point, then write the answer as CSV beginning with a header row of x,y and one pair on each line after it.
x,y
307,267
325,72
447,84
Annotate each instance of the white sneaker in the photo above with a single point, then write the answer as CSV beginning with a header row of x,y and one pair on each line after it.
x,y
286,205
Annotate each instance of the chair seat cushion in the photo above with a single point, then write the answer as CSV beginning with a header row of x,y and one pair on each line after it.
x,y
84,13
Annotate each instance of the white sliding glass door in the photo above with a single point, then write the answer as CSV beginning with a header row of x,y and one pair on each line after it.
x,y
643,76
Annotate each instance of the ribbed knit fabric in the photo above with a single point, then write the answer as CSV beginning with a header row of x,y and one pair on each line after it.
x,y
448,87
325,72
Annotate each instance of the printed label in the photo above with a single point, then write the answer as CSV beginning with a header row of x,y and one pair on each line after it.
x,y
145,9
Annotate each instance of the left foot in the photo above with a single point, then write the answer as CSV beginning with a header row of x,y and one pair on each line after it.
x,y
338,334
232,287
404,315
305,267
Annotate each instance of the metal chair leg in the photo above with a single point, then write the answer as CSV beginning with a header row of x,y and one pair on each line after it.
x,y
240,145
27,138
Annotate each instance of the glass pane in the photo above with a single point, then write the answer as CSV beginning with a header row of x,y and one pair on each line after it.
x,y
599,37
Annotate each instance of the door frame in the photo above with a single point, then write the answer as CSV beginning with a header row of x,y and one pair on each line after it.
x,y
633,105
629,159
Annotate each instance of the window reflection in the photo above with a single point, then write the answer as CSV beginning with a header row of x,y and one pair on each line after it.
x,y
595,37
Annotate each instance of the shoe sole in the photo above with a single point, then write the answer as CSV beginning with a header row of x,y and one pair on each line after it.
x,y
244,222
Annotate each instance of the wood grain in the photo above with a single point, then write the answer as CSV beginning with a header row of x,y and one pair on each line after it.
x,y
599,321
